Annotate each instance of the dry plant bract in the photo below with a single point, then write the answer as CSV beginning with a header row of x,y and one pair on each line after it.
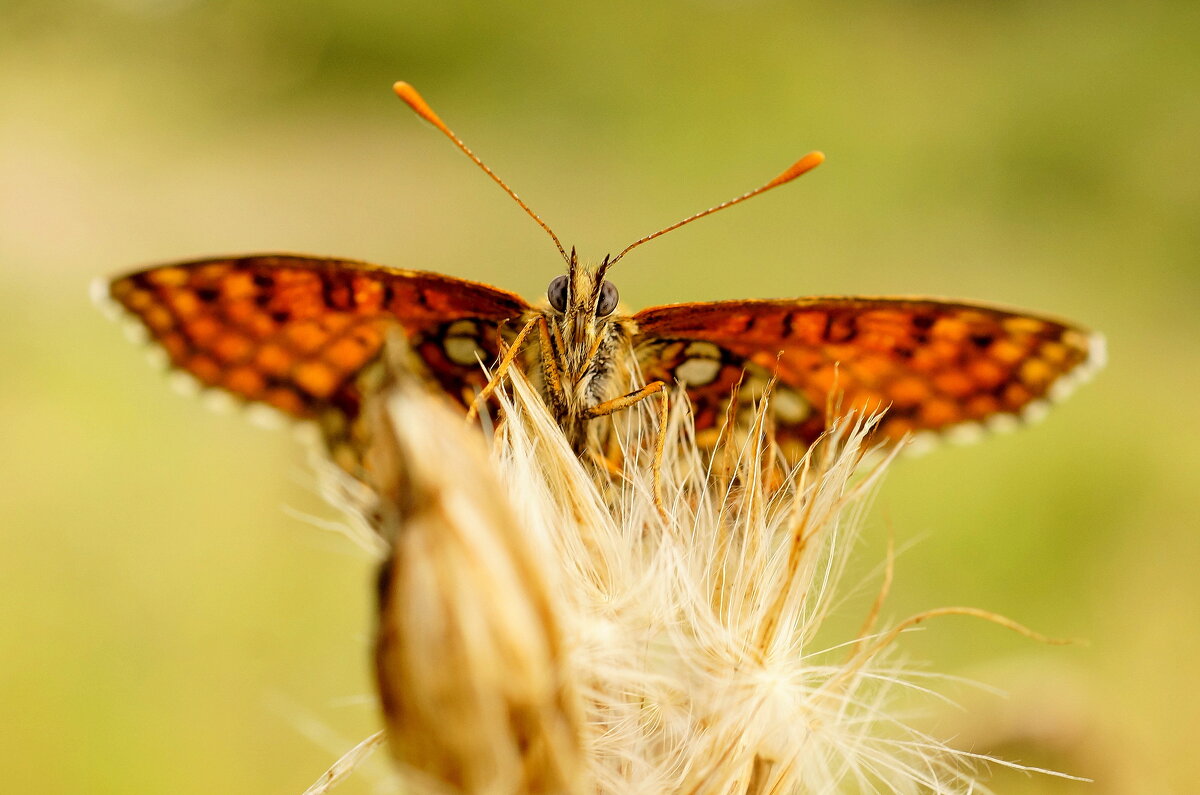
x,y
545,631
476,686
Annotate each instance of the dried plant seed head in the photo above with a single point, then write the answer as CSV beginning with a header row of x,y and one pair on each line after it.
x,y
556,634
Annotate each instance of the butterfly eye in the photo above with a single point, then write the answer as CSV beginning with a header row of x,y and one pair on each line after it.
x,y
557,293
608,299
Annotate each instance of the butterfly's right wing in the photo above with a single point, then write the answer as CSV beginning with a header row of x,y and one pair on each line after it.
x,y
294,332
936,367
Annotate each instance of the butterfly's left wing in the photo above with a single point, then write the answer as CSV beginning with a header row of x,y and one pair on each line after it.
x,y
935,366
300,333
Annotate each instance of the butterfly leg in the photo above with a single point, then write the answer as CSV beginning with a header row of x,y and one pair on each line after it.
x,y
551,372
660,443
501,369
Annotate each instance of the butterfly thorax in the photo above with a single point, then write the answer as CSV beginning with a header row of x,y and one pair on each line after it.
x,y
585,350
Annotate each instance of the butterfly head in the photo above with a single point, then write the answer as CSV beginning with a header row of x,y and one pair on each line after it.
x,y
583,316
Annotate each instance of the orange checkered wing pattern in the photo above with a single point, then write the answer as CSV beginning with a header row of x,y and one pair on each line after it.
x,y
936,367
294,332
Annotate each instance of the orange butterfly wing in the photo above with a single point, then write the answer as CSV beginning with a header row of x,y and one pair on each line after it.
x,y
293,332
933,365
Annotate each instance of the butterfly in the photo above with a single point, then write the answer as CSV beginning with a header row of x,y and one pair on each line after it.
x,y
300,333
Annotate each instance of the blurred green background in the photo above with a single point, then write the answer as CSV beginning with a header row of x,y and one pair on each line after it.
x,y
172,620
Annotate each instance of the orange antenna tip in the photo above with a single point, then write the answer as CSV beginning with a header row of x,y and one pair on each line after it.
x,y
801,166
804,164
415,101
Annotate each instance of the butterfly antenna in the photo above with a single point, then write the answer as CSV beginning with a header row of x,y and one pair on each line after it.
x,y
804,164
422,109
